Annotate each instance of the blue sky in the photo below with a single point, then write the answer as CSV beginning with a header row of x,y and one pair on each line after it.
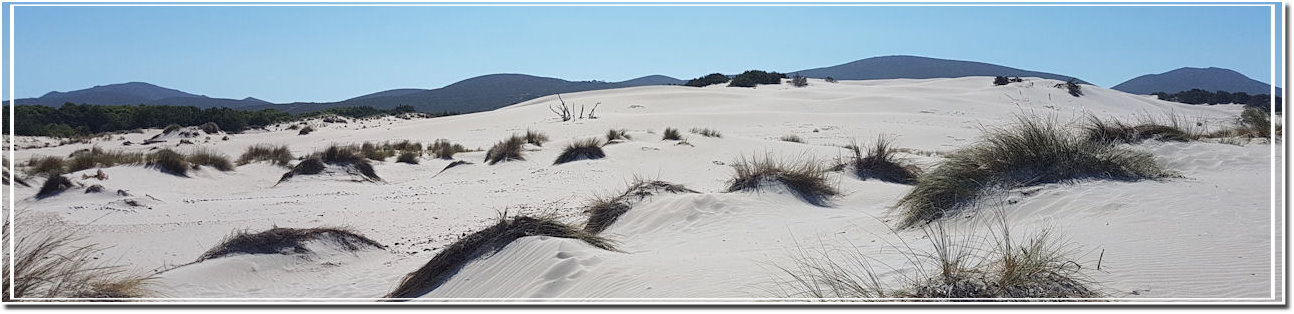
x,y
301,53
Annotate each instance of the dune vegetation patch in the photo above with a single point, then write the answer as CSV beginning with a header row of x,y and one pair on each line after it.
x,y
671,134
1001,266
209,158
46,165
507,150
101,158
1116,131
444,149
706,132
169,162
614,135
879,162
792,138
485,242
590,148
54,184
536,138
287,241
57,263
806,178
348,158
604,211
276,155
1029,152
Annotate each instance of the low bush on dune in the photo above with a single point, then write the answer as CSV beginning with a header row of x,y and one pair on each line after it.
x,y
97,157
604,211
168,161
276,155
618,135
305,130
711,79
998,267
48,165
506,150
56,263
880,163
443,149
210,158
482,243
807,179
671,134
582,149
1030,152
792,138
286,241
706,132
54,184
536,138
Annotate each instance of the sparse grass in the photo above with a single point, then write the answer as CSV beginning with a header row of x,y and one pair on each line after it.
x,y
54,263
999,267
536,138
604,211
1115,131
374,152
278,156
407,157
792,138
590,148
443,149
210,158
54,184
48,165
706,132
305,130
807,179
881,164
337,155
671,134
1030,152
506,150
618,134
96,157
452,258
168,161
286,241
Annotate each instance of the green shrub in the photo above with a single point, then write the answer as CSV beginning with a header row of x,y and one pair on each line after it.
x,y
713,78
754,77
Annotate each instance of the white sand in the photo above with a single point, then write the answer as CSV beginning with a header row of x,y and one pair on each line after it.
x,y
1205,237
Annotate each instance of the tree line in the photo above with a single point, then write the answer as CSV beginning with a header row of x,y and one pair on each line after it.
x,y
75,120
1198,96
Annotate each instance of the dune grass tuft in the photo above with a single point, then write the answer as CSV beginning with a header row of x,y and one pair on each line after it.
x,y
604,211
305,130
210,158
54,184
880,163
483,243
706,132
47,165
348,157
1029,152
618,135
407,157
536,138
286,241
506,150
671,134
1115,131
55,263
807,179
276,155
590,148
168,161
443,149
97,157
792,138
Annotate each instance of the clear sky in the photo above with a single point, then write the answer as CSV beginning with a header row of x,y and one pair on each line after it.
x,y
303,53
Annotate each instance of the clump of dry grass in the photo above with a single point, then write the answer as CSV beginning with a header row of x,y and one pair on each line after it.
x,y
287,241
999,267
706,132
1116,131
443,149
169,161
276,155
671,134
1030,152
481,243
407,157
52,263
881,164
210,158
506,150
535,137
792,138
582,149
305,130
807,179
97,157
338,155
618,135
53,185
604,211
47,165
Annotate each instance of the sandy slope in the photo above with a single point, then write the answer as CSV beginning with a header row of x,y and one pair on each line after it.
x,y
1208,235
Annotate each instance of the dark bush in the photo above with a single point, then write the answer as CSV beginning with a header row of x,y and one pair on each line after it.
x,y
713,78
582,149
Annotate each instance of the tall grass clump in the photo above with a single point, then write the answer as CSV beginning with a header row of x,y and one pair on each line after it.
x,y
1029,152
306,130
97,157
536,138
374,152
706,132
348,157
792,138
276,155
51,263
618,135
443,149
48,165
807,179
54,184
210,128
1116,131
604,211
506,150
671,134
590,148
287,241
483,243
168,161
998,267
210,158
407,157
881,163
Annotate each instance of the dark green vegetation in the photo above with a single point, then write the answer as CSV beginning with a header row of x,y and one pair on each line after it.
x,y
1197,96
713,78
72,120
753,77
286,241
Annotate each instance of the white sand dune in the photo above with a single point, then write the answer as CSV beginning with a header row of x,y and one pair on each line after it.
x,y
1207,236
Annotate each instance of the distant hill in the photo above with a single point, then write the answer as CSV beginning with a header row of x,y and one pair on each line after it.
x,y
482,93
1184,79
913,67
134,93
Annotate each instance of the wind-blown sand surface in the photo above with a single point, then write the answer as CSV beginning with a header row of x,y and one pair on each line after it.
x,y
1207,235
